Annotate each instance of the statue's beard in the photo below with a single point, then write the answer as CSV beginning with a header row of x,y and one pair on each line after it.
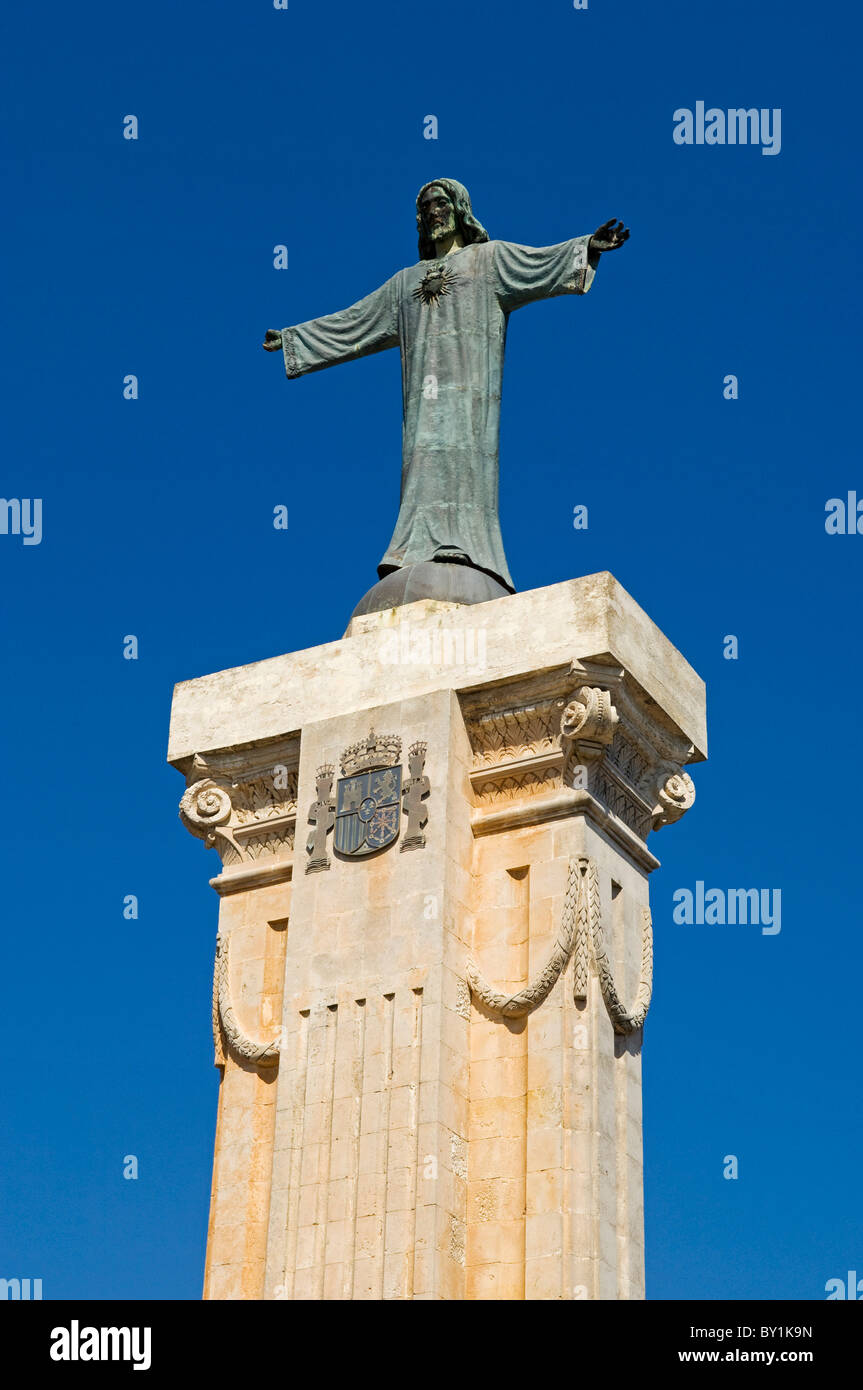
x,y
438,230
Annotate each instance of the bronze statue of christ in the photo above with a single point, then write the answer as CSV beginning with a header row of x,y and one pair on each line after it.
x,y
448,315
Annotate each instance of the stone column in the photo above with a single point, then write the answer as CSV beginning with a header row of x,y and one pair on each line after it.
x,y
428,1005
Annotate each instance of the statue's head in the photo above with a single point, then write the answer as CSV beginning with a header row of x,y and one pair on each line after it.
x,y
443,207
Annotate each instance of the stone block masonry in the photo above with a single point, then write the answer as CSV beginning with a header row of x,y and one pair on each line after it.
x,y
434,954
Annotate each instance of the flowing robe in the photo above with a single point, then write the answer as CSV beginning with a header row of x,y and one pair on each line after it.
x,y
452,350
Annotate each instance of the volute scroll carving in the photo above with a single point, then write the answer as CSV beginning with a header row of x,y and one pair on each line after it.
x,y
672,792
205,810
589,716
244,805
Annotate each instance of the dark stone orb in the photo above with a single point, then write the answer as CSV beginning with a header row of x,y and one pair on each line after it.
x,y
450,582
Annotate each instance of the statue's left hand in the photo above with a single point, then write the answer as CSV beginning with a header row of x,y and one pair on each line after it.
x,y
609,236
273,340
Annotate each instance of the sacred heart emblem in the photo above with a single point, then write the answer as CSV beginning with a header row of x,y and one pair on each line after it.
x,y
368,799
436,282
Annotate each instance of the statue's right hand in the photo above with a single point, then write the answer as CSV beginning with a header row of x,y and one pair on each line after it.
x,y
272,340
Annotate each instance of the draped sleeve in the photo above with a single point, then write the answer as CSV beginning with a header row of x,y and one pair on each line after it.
x,y
522,274
370,325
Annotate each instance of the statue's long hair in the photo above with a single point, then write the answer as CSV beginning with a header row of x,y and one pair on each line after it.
x,y
468,228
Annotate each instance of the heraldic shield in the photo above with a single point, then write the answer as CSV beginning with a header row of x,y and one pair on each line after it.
x,y
368,811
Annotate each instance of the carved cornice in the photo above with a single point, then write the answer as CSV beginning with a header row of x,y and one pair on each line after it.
x,y
244,804
557,805
590,740
627,760
259,875
517,752
524,732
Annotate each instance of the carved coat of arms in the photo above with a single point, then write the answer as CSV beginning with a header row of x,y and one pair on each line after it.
x,y
368,797
365,814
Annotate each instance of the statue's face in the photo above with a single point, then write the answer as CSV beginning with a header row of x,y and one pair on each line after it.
x,y
438,212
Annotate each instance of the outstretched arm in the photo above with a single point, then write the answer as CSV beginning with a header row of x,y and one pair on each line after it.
x,y
370,325
526,273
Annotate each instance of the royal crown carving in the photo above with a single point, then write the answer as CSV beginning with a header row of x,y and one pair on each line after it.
x,y
375,751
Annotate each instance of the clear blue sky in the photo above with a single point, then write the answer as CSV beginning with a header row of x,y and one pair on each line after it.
x,y
155,257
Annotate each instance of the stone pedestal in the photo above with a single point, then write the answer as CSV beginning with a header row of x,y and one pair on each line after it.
x,y
434,955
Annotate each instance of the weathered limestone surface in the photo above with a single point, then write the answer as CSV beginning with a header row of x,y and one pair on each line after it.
x,y
431,1069
591,615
